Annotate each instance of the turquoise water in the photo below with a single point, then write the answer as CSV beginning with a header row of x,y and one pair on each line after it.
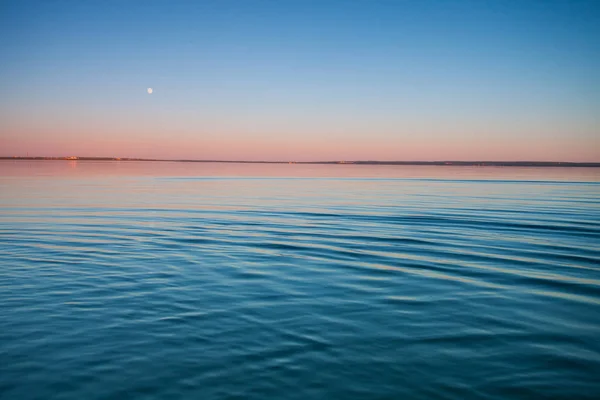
x,y
231,281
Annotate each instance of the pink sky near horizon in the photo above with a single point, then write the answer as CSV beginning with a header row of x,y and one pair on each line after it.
x,y
257,147
150,127
164,134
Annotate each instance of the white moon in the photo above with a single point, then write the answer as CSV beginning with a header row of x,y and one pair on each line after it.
x,y
149,90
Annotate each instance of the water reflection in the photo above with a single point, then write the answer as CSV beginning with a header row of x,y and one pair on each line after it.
x,y
255,280
78,168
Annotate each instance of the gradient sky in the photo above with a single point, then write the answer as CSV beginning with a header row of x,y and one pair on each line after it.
x,y
301,80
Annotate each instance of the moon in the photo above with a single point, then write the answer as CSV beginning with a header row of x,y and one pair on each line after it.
x,y
149,90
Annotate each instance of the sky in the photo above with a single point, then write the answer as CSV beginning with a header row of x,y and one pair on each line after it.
x,y
301,80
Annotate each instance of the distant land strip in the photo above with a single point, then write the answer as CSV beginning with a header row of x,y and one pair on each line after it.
x,y
441,163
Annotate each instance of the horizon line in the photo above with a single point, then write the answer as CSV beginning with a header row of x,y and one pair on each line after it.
x,y
340,162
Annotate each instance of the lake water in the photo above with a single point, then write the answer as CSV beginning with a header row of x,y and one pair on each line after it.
x,y
159,280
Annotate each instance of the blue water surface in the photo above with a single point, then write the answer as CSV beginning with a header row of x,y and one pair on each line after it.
x,y
202,281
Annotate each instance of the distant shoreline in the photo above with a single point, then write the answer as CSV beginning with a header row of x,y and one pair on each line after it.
x,y
437,163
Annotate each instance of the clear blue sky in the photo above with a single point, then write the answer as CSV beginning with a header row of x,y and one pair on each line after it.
x,y
305,80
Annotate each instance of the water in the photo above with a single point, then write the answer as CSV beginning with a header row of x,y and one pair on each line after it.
x,y
231,281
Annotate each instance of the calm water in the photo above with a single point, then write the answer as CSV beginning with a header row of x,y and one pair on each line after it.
x,y
231,281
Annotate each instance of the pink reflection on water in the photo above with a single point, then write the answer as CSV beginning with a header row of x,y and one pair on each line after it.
x,y
83,168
